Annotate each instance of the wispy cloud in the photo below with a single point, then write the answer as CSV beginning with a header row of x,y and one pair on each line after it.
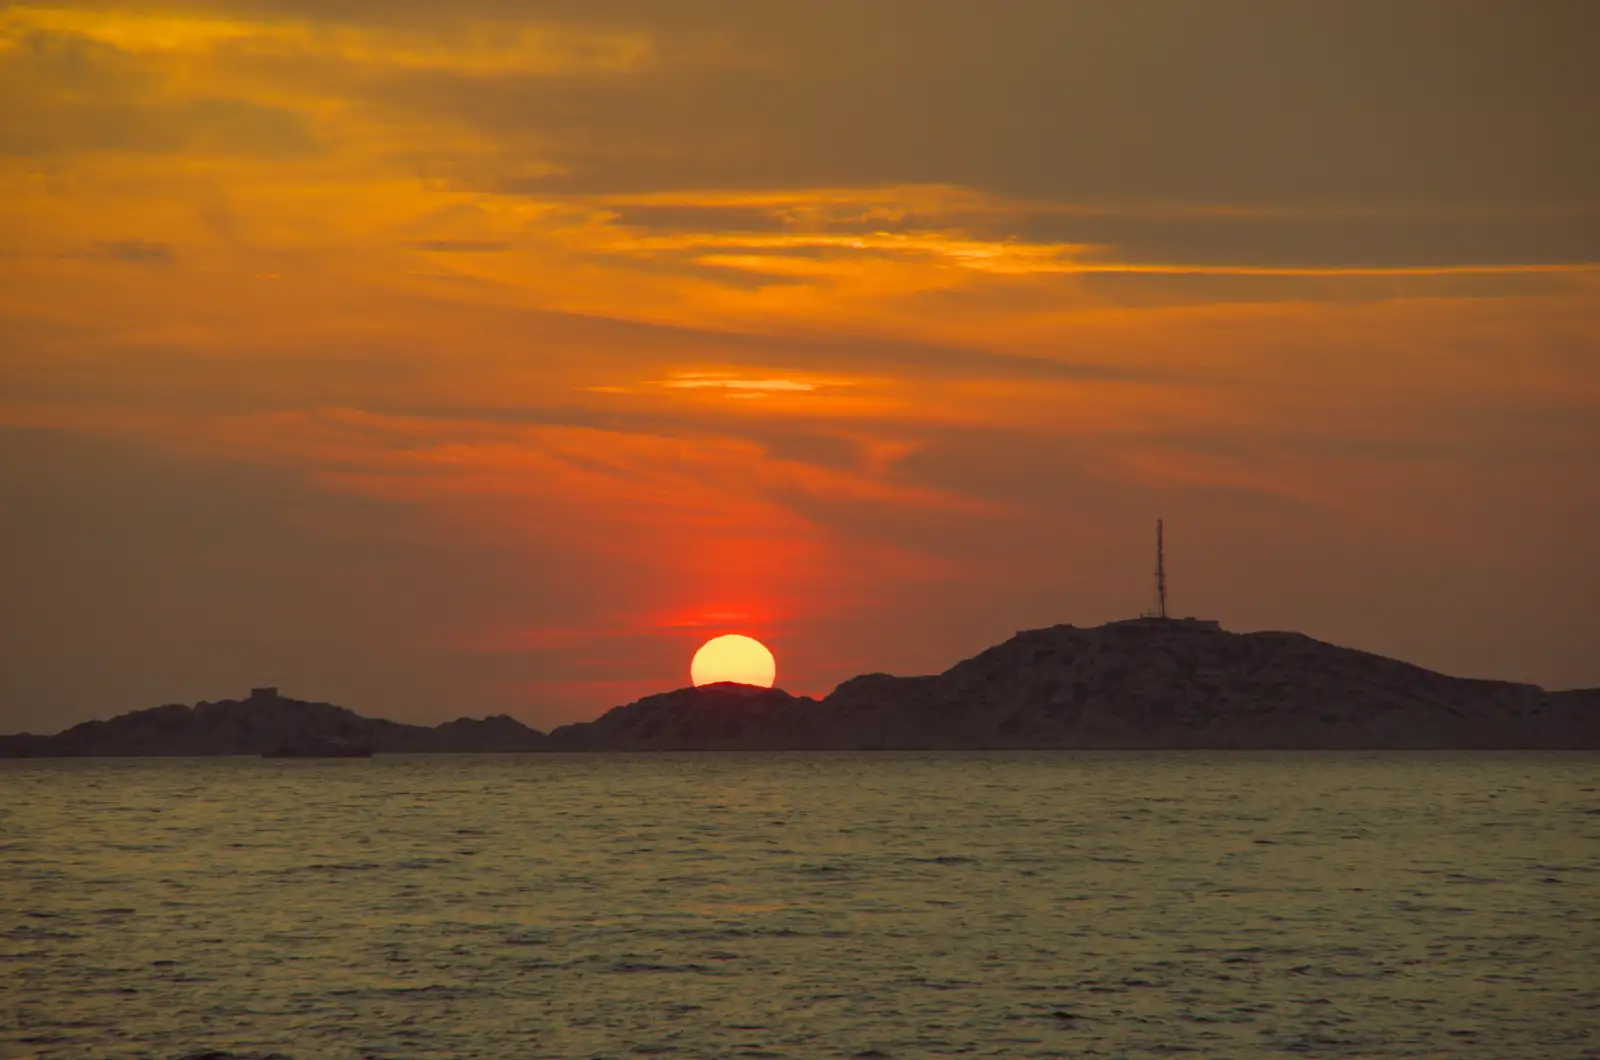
x,y
483,47
459,246
130,251
743,386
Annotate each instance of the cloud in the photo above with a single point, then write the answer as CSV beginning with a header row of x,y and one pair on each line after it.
x,y
1040,102
1312,239
131,251
1077,103
507,45
742,387
458,246
70,93
699,217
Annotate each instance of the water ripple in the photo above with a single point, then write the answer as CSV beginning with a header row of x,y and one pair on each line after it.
x,y
872,906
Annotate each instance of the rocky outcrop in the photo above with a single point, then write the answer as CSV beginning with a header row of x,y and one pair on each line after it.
x,y
721,716
266,723
1146,683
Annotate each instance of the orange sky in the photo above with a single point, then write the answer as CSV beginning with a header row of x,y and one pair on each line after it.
x,y
441,359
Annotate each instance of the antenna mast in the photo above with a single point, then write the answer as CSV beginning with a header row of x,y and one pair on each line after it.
x,y
1161,574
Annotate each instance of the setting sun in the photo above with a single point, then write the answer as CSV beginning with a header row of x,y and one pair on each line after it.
x,y
733,657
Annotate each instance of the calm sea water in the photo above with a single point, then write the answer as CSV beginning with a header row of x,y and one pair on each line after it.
x,y
807,905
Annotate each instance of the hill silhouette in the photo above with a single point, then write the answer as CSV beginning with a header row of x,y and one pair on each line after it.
x,y
719,716
1139,684
267,723
1143,683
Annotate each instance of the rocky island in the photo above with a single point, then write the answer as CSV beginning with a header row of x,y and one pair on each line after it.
x,y
270,725
1144,683
1137,684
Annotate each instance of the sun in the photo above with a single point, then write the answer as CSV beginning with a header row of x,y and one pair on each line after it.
x,y
733,657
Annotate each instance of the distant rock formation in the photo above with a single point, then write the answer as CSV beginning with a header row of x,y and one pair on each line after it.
x,y
267,723
1140,684
1143,683
715,716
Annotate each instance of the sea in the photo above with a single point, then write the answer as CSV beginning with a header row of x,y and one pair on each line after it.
x,y
1044,904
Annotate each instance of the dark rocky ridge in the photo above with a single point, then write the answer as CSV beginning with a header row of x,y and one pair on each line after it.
x,y
1125,685
263,724
720,716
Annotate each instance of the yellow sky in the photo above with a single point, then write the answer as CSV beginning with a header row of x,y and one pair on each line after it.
x,y
524,345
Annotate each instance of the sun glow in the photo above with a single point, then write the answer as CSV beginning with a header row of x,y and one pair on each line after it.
x,y
733,657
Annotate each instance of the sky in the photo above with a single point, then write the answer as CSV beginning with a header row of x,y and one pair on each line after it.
x,y
488,357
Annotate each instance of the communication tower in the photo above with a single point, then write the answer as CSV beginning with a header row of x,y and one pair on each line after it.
x,y
1158,602
1158,612
1161,573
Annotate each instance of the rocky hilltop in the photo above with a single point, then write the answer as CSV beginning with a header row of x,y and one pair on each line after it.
x,y
1145,683
722,716
267,723
1140,684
